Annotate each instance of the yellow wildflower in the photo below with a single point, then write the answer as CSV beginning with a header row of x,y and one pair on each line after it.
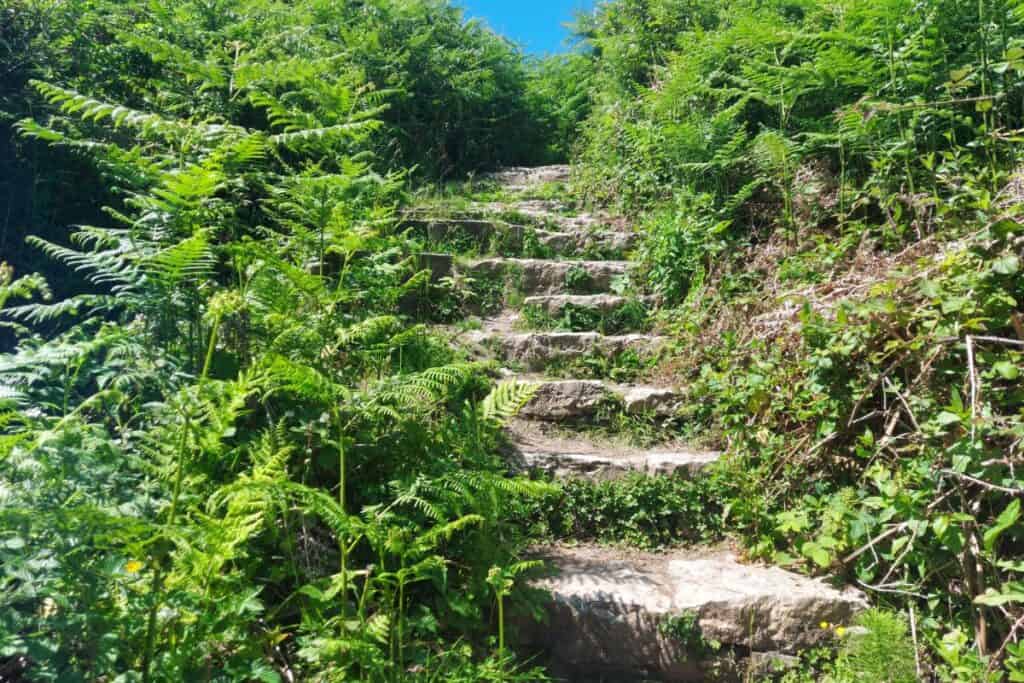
x,y
840,631
824,625
133,567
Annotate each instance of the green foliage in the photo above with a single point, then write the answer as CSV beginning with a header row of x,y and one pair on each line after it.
x,y
229,458
680,246
631,316
685,629
878,649
226,453
832,201
578,280
625,366
647,512
558,94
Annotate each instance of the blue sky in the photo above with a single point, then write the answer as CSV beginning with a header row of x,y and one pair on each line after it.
x,y
535,24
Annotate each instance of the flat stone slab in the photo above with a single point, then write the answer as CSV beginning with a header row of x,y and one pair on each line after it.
x,y
605,466
571,241
554,212
542,276
575,399
607,607
537,350
541,446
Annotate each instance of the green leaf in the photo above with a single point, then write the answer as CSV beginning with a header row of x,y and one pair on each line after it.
x,y
1006,265
14,543
953,305
958,75
1006,519
1011,592
946,418
816,553
1007,370
955,402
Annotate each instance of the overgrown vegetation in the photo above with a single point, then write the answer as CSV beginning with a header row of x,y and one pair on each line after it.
x,y
224,456
833,200
229,450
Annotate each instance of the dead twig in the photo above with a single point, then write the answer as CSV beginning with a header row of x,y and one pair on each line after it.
x,y
880,588
973,378
983,484
892,531
1011,636
917,647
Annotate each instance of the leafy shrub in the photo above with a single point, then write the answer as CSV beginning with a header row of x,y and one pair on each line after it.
x,y
680,245
638,510
578,280
878,649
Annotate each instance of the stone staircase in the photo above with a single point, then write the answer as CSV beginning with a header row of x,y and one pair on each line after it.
x,y
614,614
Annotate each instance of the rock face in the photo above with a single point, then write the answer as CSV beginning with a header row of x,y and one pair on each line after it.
x,y
658,401
543,446
608,608
567,400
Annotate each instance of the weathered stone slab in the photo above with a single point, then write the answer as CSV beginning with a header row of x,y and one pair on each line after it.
x,y
537,350
651,400
554,304
439,265
607,608
483,230
604,465
518,178
567,400
541,276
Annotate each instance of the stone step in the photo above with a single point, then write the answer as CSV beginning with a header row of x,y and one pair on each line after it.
x,y
578,399
547,212
500,236
627,615
536,351
606,466
555,304
519,178
573,455
542,276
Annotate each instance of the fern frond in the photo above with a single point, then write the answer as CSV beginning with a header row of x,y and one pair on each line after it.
x,y
341,131
72,306
191,259
506,400
444,532
30,129
88,108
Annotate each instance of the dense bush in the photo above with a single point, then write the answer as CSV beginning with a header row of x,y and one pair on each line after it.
x,y
833,207
449,97
222,454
